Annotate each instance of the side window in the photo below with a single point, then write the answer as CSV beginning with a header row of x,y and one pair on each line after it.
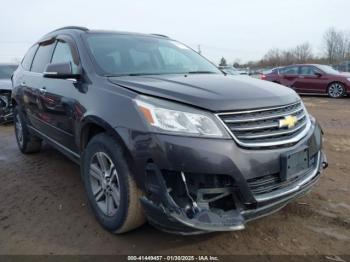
x,y
307,70
292,70
28,58
42,58
63,54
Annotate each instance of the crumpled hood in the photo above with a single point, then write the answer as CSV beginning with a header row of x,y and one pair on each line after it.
x,y
210,91
5,84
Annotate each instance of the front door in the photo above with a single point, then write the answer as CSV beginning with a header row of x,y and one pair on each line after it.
x,y
61,99
310,80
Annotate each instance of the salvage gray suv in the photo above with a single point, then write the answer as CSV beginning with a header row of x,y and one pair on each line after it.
x,y
161,134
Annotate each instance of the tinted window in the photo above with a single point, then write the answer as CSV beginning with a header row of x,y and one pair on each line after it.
x,y
42,58
7,70
293,70
28,58
63,54
308,70
118,54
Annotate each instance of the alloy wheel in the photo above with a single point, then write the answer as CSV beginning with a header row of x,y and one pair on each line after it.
x,y
336,90
104,183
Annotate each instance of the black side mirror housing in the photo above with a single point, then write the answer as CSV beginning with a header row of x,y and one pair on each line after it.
x,y
60,71
318,74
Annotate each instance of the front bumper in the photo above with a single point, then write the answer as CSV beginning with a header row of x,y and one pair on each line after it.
x,y
203,185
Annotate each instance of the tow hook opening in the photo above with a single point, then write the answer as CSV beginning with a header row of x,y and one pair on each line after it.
x,y
324,165
324,162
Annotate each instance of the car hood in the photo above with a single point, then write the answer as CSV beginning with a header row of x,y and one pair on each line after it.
x,y
345,74
210,91
5,84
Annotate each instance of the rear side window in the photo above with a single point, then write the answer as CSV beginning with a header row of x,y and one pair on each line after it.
x,y
63,54
42,58
28,58
293,70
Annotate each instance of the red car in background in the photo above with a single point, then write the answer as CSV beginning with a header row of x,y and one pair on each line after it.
x,y
311,78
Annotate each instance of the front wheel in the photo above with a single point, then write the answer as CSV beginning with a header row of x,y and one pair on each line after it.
x,y
336,90
111,189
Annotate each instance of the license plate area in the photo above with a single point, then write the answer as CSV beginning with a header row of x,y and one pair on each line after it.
x,y
292,163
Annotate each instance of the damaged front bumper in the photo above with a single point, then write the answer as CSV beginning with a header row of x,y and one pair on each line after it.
x,y
6,108
191,203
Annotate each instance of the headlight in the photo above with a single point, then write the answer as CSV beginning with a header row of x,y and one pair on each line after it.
x,y
348,79
163,116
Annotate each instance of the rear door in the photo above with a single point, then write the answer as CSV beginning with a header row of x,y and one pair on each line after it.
x,y
311,80
61,96
288,75
32,86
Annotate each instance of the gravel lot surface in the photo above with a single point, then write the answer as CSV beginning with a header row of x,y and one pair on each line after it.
x,y
43,207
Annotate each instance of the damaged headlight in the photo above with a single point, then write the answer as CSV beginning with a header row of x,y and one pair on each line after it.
x,y
168,117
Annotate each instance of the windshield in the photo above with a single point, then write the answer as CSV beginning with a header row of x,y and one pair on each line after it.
x,y
6,71
328,69
121,54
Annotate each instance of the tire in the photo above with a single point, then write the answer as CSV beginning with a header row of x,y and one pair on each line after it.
x,y
116,214
336,90
27,142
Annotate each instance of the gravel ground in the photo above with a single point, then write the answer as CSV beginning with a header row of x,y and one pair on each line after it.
x,y
43,207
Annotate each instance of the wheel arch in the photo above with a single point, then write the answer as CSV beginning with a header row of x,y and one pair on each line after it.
x,y
93,125
335,81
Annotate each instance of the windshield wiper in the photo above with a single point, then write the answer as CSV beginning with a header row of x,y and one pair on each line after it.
x,y
201,72
134,74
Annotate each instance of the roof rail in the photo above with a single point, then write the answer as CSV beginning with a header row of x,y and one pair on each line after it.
x,y
165,36
72,27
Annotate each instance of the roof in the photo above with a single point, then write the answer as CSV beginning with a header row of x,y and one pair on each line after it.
x,y
81,29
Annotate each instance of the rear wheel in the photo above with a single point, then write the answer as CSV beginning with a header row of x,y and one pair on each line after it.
x,y
27,142
336,90
111,189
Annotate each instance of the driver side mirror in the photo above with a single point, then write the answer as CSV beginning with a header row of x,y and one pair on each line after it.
x,y
318,74
60,71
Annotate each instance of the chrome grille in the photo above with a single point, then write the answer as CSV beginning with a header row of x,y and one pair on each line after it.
x,y
261,128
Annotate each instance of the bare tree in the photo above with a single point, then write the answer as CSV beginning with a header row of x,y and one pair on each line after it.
x,y
223,62
273,57
302,53
336,45
288,57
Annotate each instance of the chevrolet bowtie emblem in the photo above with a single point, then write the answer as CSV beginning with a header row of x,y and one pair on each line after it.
x,y
288,121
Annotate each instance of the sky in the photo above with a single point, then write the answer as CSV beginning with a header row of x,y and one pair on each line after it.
x,y
234,29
